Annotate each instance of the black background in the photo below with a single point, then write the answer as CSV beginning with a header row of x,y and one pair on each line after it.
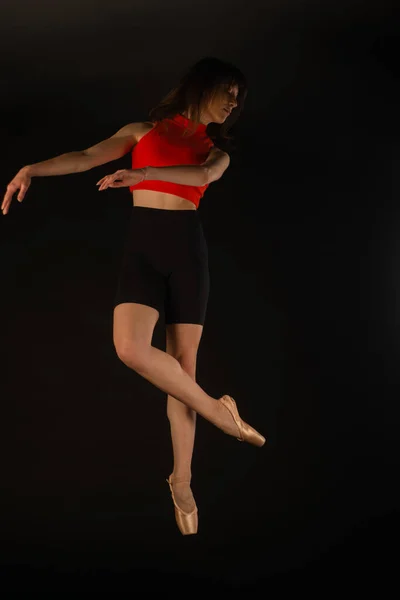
x,y
302,320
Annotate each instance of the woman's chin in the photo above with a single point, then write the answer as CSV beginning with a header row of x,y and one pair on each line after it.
x,y
219,119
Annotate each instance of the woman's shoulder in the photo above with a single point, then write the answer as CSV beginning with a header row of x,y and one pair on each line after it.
x,y
140,129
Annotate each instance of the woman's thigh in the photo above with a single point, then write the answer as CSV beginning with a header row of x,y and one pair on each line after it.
x,y
187,290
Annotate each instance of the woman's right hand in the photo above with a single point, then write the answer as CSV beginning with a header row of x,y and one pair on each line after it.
x,y
21,182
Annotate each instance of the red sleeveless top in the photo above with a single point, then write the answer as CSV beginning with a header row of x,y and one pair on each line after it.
x,y
164,146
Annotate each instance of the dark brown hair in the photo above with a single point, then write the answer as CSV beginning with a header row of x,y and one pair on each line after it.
x,y
199,85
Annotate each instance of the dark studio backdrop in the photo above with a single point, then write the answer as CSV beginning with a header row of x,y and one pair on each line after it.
x,y
302,326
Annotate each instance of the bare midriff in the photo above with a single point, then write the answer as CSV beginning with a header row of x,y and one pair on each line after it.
x,y
152,199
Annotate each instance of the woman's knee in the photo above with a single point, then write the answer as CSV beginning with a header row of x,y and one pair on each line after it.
x,y
133,331
133,354
188,363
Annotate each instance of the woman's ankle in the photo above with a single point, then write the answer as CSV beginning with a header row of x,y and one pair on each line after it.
x,y
181,476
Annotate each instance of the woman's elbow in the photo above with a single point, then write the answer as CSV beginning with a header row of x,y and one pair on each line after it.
x,y
213,174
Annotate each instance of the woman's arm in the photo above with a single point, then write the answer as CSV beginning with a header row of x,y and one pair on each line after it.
x,y
109,149
210,170
74,162
64,164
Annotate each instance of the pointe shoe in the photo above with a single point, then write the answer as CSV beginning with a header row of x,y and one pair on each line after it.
x,y
246,433
187,522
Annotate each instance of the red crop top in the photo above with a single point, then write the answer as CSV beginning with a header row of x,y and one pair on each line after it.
x,y
165,146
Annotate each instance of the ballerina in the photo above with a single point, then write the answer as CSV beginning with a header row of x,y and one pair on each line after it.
x,y
176,155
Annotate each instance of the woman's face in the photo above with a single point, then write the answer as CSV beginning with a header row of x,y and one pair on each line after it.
x,y
221,105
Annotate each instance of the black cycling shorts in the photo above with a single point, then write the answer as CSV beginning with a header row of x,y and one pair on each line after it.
x,y
165,264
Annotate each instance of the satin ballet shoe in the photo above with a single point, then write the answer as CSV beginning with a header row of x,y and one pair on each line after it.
x,y
187,522
246,433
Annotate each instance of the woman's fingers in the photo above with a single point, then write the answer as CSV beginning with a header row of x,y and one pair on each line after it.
x,y
20,183
105,182
7,199
117,184
101,182
22,192
109,180
5,203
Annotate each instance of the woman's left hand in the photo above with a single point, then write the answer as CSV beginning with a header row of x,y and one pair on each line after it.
x,y
122,178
